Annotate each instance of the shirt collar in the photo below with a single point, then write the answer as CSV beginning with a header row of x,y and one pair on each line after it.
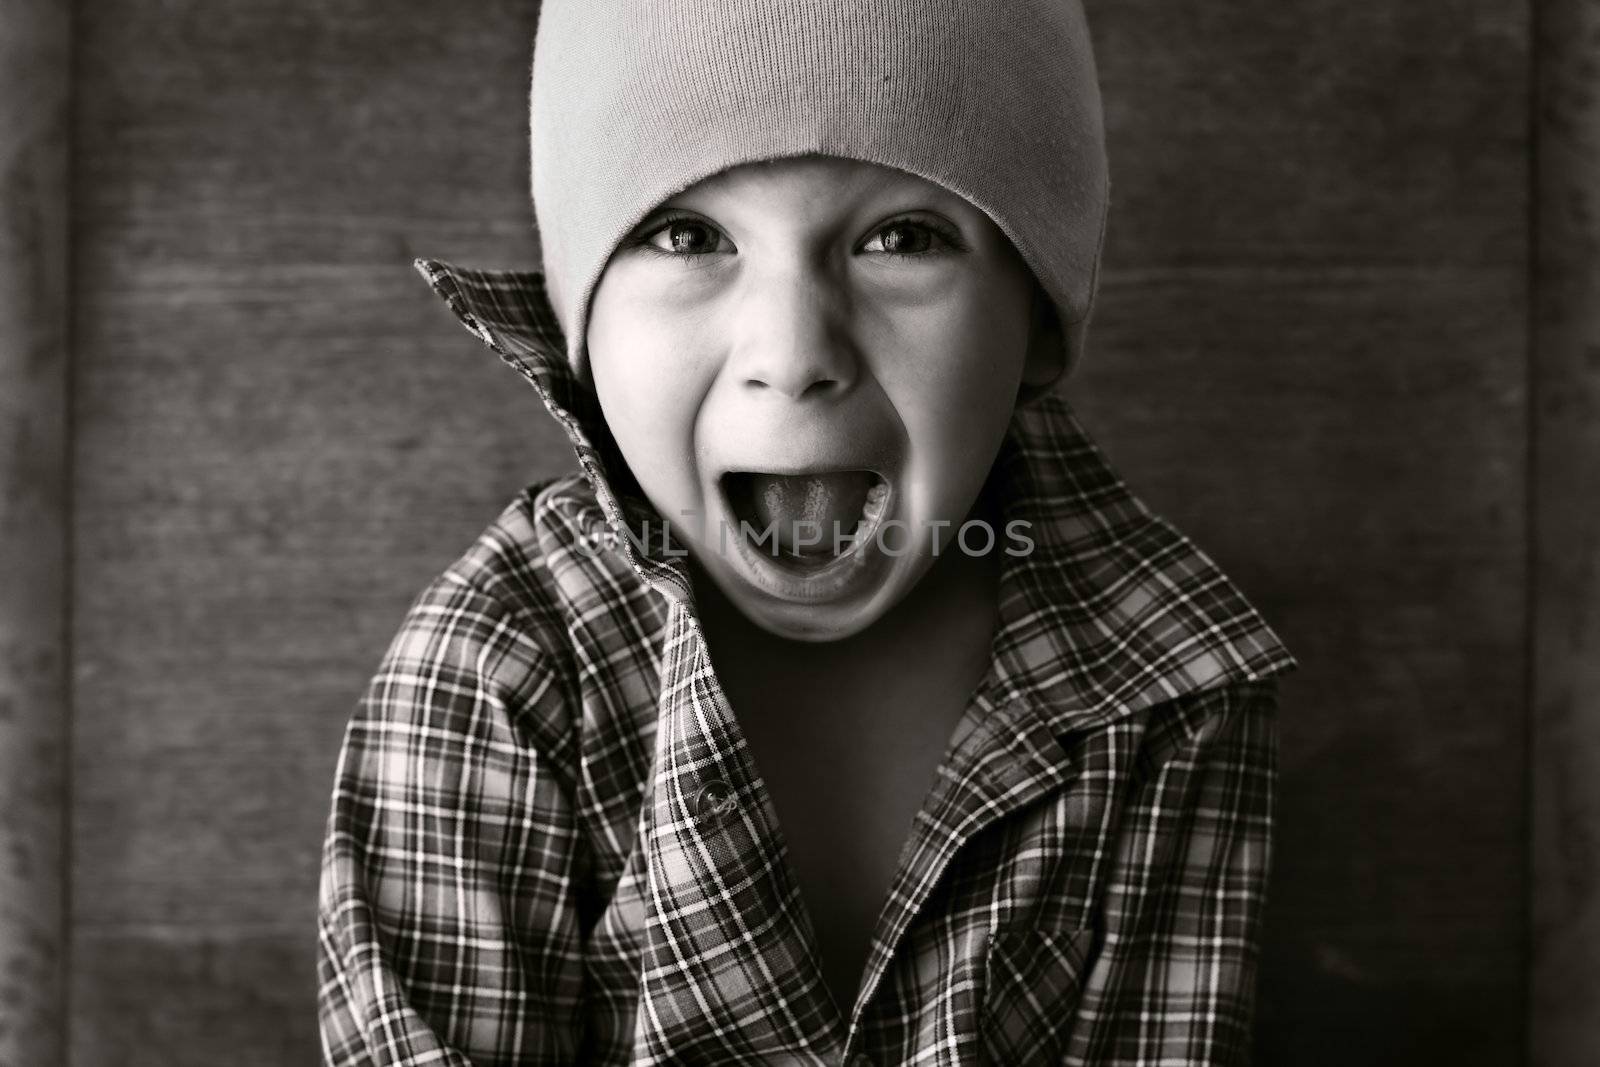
x,y
1112,610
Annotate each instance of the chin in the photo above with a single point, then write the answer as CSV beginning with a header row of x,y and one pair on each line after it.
x,y
815,620
810,623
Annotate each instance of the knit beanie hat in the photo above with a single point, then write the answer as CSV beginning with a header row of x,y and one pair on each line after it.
x,y
634,101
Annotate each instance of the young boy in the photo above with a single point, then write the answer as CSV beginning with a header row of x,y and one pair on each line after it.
x,y
847,709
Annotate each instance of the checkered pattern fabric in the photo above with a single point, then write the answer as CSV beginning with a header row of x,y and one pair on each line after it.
x,y
549,844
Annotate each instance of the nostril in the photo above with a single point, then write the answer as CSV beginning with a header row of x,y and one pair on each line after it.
x,y
821,386
796,371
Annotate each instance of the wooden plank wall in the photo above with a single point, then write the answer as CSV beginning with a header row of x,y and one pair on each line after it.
x,y
1566,691
280,438
35,77
1312,353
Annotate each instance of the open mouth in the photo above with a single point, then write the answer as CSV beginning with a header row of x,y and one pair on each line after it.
x,y
808,520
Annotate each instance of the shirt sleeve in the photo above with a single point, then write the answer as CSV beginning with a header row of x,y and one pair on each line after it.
x,y
447,924
1174,978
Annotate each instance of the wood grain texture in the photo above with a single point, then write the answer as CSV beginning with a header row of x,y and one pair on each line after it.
x,y
1310,353
282,436
240,992
34,83
1566,706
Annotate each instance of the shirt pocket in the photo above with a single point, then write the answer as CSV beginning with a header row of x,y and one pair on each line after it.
x,y
1032,981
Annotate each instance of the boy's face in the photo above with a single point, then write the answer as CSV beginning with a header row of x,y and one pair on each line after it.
x,y
797,352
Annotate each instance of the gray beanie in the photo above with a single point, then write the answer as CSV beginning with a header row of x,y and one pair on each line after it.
x,y
635,101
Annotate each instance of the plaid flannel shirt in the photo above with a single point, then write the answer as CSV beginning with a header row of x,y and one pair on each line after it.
x,y
549,844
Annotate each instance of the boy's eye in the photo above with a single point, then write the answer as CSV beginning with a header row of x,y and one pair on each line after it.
x,y
907,237
685,236
689,237
901,239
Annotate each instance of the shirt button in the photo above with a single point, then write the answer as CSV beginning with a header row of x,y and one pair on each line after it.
x,y
601,537
714,802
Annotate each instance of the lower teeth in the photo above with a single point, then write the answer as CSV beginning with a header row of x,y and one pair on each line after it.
x,y
877,499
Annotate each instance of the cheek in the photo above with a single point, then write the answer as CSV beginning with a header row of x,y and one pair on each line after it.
x,y
955,385
650,398
960,362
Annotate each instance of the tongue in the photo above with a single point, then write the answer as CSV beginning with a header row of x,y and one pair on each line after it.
x,y
810,507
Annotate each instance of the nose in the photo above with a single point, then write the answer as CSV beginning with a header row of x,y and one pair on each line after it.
x,y
792,336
